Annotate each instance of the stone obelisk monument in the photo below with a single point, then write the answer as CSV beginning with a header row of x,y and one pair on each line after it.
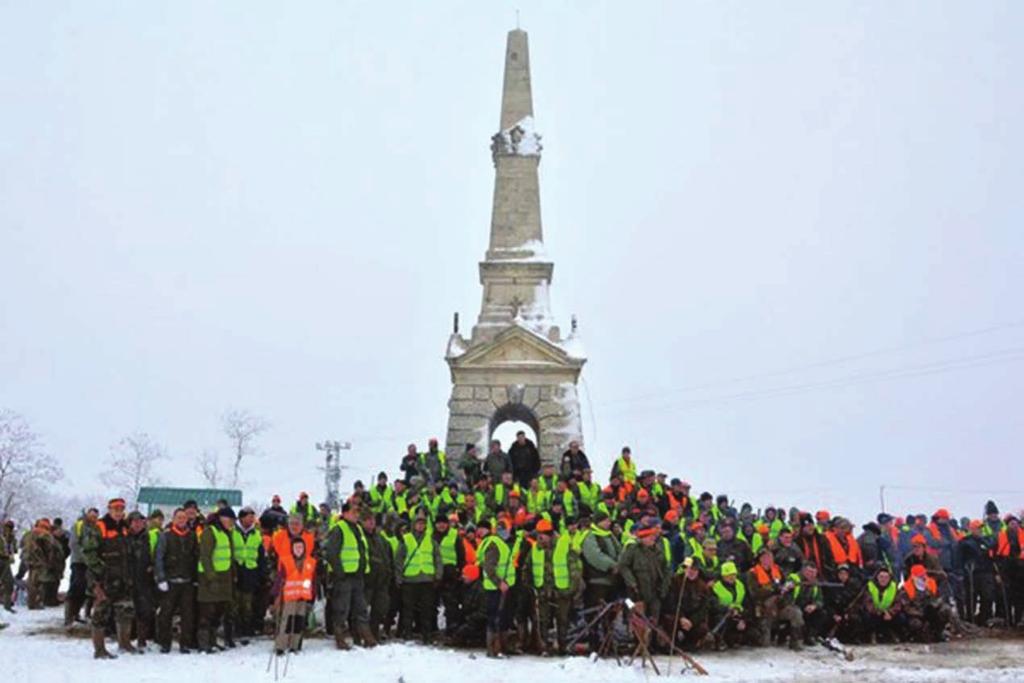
x,y
515,365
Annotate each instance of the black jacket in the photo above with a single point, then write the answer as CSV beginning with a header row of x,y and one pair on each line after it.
x,y
525,461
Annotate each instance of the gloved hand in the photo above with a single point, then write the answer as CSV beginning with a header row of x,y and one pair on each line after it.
x,y
163,587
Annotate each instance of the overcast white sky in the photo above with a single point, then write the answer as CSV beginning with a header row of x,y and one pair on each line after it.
x,y
248,204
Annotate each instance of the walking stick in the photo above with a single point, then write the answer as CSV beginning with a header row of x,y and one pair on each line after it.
x,y
673,647
687,563
1006,600
277,626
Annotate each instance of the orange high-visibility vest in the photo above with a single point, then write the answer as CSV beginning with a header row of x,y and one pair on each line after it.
x,y
1003,545
298,581
848,555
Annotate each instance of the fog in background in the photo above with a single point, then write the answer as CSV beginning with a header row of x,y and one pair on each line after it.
x,y
792,234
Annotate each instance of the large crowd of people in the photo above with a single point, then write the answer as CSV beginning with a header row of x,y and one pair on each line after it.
x,y
507,553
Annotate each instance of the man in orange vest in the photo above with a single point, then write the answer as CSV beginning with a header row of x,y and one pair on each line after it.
x,y
927,614
844,547
296,574
771,592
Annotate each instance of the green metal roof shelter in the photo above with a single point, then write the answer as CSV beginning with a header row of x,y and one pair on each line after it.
x,y
166,497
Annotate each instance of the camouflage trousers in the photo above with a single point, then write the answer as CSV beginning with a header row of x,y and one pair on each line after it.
x,y
116,607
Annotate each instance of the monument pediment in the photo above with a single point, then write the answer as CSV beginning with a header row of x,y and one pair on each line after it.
x,y
515,347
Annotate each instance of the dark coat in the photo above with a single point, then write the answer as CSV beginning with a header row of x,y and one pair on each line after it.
x,y
525,461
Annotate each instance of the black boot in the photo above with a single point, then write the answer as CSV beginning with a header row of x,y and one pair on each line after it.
x,y
99,645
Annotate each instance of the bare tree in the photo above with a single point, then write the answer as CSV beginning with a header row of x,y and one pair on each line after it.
x,y
208,465
131,465
242,427
25,468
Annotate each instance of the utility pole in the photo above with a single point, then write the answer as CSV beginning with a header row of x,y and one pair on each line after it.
x,y
332,467
881,496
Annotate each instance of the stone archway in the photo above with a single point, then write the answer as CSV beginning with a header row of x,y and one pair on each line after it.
x,y
514,412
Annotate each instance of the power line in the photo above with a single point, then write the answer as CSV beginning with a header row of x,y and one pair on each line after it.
x,y
820,364
938,367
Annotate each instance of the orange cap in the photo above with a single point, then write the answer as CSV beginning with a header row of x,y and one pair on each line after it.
x,y
544,526
918,570
942,513
918,539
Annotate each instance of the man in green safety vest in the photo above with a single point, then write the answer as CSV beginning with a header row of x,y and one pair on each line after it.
x,y
499,575
251,562
216,576
729,608
882,610
382,496
346,552
554,571
453,557
417,569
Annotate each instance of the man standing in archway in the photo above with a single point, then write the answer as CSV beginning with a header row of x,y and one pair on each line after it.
x,y
525,459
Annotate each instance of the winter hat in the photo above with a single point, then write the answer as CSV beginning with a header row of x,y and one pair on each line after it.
x,y
544,526
873,528
990,508
918,570
226,512
729,569
918,539
600,516
942,513
883,518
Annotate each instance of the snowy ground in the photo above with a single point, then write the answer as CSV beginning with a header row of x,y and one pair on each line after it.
x,y
33,648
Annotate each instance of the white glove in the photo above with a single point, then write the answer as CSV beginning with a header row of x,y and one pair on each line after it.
x,y
163,587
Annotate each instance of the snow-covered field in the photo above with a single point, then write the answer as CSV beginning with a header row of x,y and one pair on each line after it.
x,y
33,649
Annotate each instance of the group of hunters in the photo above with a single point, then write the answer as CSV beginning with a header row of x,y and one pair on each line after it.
x,y
501,552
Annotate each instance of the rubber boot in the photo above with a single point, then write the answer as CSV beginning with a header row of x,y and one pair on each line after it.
x,y
366,635
124,637
142,636
69,613
796,637
99,646
340,638
229,633
520,640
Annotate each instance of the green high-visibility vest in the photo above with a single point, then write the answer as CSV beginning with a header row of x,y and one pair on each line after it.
x,y
627,470
578,539
537,502
506,571
590,494
448,554
401,503
221,550
419,557
667,549
154,536
382,502
798,586
726,598
696,547
392,541
559,563
569,503
247,548
349,553
882,600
